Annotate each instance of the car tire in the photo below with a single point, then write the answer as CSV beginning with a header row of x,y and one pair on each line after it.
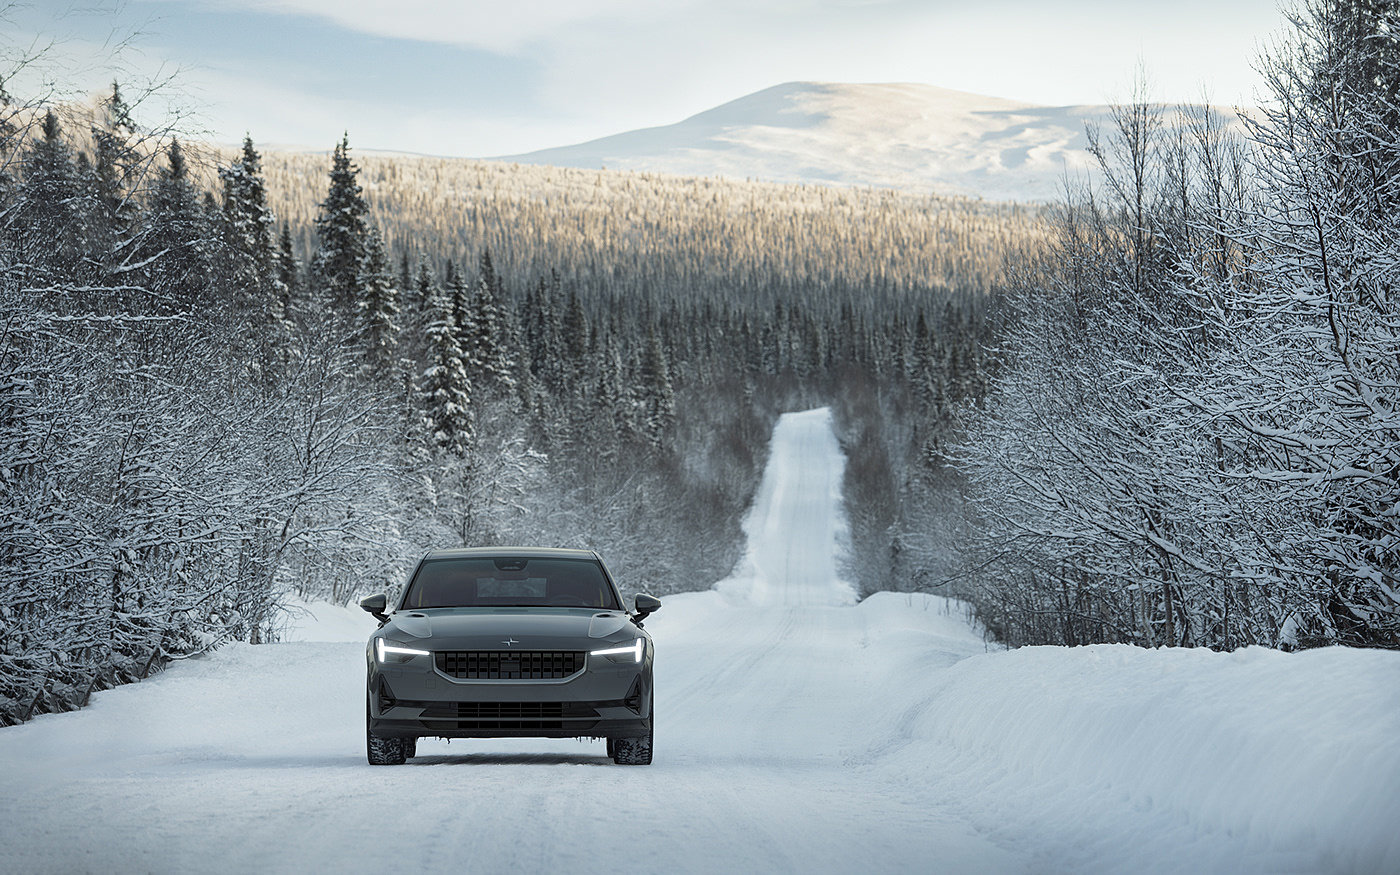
x,y
383,751
410,747
635,751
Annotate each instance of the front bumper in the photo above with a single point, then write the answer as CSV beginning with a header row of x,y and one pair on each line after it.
x,y
602,701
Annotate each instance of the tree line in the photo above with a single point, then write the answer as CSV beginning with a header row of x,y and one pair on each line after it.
x,y
653,239
1191,436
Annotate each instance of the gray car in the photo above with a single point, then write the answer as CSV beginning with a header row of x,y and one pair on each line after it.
x,y
501,642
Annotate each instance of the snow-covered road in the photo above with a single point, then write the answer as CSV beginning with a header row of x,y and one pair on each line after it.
x,y
797,732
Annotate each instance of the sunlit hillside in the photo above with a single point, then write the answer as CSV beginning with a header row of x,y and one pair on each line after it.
x,y
659,237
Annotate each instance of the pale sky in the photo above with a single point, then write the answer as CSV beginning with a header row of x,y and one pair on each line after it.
x,y
471,78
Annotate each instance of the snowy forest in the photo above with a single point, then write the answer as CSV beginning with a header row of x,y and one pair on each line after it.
x,y
1192,437
202,415
1160,412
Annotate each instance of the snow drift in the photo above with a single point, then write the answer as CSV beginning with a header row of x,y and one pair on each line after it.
x,y
1255,760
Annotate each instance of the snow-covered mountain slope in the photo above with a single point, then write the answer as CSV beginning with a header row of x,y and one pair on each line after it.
x,y
906,135
797,732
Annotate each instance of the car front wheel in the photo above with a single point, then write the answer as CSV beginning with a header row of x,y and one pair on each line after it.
x,y
634,751
384,751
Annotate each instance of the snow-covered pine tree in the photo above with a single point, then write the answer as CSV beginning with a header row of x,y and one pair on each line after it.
x,y
53,207
342,228
609,420
536,318
113,158
252,272
249,234
379,310
288,272
178,243
458,302
926,372
423,286
446,389
574,334
488,335
655,394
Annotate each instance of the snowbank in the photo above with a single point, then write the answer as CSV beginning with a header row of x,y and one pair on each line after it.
x,y
1292,759
322,621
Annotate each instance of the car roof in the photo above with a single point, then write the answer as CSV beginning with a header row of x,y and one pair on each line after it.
x,y
512,552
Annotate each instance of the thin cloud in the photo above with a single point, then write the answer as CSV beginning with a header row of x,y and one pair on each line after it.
x,y
505,27
479,78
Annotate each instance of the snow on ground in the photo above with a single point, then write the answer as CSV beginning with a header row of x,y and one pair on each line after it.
x,y
796,525
320,621
796,732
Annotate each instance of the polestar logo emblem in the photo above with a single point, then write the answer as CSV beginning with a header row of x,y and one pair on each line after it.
x,y
510,642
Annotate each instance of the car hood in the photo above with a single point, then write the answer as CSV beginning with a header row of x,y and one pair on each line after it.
x,y
490,629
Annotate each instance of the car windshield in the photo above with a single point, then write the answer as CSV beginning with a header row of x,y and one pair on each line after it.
x,y
510,582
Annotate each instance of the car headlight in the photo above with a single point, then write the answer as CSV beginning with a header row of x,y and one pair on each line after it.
x,y
631,653
397,652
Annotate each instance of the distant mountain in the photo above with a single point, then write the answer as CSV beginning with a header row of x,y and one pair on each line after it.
x,y
904,135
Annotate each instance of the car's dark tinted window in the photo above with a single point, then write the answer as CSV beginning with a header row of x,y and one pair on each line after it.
x,y
477,582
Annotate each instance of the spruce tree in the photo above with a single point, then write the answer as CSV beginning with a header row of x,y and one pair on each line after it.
x,y
487,335
111,156
455,292
405,274
658,402
925,375
288,270
575,331
52,221
540,323
610,421
249,218
446,388
253,271
413,316
379,311
342,228
175,245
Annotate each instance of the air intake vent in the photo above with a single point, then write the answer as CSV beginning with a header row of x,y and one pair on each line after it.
x,y
510,710
525,665
505,715
386,696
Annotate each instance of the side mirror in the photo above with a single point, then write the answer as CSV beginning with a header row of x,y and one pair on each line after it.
x,y
376,605
646,606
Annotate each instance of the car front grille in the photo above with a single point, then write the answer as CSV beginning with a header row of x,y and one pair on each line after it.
x,y
497,715
511,710
524,665
508,715
488,718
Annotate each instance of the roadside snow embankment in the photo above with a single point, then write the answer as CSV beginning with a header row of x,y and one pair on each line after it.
x,y
1265,761
319,621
